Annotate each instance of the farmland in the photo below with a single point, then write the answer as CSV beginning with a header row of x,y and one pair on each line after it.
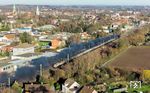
x,y
135,58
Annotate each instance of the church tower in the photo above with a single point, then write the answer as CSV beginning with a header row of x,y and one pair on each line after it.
x,y
14,9
37,11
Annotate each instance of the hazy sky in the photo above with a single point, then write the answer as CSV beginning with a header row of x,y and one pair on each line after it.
x,y
78,2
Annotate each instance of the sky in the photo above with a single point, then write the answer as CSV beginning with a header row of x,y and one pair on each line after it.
x,y
76,2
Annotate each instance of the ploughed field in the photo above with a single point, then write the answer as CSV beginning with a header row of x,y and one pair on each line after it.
x,y
135,58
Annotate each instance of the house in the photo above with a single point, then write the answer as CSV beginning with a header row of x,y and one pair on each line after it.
x,y
7,48
102,87
87,89
8,38
23,49
56,43
2,45
11,65
106,29
36,88
70,86
26,56
7,66
85,35
46,27
25,29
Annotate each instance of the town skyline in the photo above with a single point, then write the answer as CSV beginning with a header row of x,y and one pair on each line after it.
x,y
77,2
74,46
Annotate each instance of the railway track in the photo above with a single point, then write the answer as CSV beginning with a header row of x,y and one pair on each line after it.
x,y
102,41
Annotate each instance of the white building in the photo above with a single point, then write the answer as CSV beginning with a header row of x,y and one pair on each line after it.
x,y
37,11
14,9
6,67
23,49
25,29
70,86
8,38
9,66
27,56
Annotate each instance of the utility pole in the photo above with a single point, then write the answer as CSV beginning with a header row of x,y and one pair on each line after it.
x,y
68,57
9,84
41,72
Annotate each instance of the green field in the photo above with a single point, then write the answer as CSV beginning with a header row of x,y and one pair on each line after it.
x,y
144,88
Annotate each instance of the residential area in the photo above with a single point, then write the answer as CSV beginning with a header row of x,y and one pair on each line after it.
x,y
74,49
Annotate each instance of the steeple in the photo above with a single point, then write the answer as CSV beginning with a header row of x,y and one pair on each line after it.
x,y
37,11
14,9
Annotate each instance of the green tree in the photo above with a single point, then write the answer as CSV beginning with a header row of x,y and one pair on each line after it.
x,y
17,87
5,27
25,38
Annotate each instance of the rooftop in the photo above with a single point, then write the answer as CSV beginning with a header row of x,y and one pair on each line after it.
x,y
24,45
29,54
46,27
10,36
39,88
86,89
69,82
5,62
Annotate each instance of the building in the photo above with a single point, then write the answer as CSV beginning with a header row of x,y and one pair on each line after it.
x,y
106,29
2,45
36,88
85,36
56,43
25,29
23,49
8,65
27,56
46,27
11,65
8,48
8,38
87,89
14,9
70,86
37,11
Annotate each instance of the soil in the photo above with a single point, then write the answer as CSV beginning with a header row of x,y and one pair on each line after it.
x,y
135,58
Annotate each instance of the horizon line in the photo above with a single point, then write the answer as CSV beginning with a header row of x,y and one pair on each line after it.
x,y
74,5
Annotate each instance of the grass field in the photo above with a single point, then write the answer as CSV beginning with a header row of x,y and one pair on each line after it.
x,y
144,88
135,58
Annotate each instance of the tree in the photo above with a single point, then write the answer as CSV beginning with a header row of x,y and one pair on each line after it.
x,y
133,76
17,87
59,73
5,27
25,38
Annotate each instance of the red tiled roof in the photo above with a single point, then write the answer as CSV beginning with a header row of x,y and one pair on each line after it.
x,y
10,36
